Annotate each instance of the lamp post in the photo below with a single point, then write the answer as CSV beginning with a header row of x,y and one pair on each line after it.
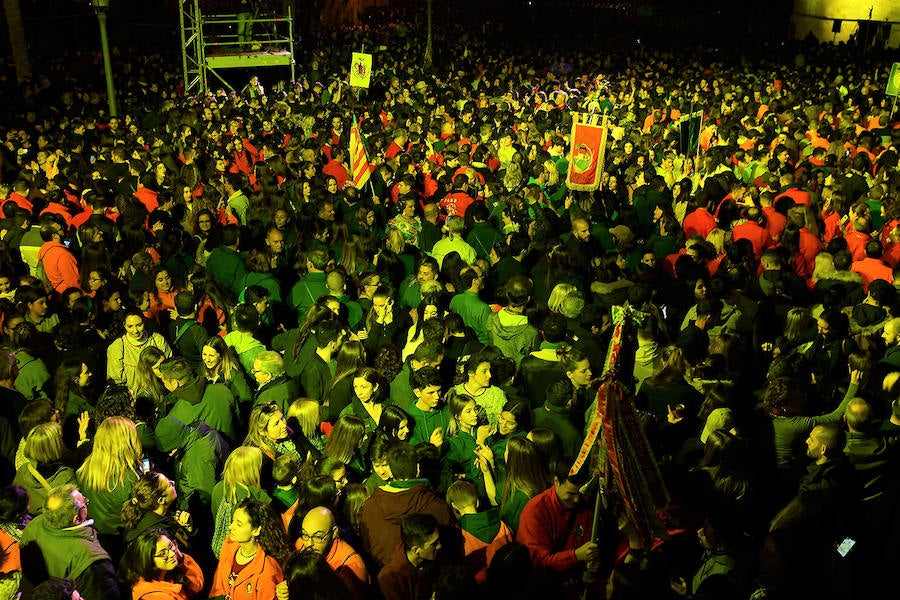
x,y
100,7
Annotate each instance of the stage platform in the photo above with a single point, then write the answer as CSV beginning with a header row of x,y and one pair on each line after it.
x,y
231,58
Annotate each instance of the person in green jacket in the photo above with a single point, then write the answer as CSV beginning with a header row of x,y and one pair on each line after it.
x,y
224,263
311,286
429,421
245,320
193,399
464,440
274,386
482,234
468,305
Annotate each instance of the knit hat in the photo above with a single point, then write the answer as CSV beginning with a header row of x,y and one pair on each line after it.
x,y
169,433
622,234
720,418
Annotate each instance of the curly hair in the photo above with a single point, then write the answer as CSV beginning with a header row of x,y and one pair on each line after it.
x,y
272,537
115,401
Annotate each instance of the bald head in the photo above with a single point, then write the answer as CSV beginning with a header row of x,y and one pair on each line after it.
x,y
858,415
581,229
318,529
891,333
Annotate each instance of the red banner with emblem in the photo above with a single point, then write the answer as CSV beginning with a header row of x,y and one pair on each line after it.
x,y
588,144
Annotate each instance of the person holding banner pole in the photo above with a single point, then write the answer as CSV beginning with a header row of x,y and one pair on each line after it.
x,y
556,527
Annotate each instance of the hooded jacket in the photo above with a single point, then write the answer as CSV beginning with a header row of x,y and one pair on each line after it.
x,y
160,589
425,422
483,534
385,509
73,552
513,334
211,403
246,346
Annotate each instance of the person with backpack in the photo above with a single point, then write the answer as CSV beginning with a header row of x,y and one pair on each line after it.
x,y
187,335
57,266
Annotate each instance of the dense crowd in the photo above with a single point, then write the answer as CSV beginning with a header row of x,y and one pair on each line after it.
x,y
228,371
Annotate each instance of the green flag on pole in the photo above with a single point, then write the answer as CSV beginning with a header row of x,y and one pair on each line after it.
x,y
893,84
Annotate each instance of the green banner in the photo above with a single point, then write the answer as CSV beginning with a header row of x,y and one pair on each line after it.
x,y
893,84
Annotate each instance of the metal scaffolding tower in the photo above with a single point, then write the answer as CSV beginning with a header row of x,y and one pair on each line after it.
x,y
211,42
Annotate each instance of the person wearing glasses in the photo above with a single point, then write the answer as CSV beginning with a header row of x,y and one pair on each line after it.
x,y
153,566
320,534
65,538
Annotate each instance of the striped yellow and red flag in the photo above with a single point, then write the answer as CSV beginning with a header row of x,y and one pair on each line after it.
x,y
359,162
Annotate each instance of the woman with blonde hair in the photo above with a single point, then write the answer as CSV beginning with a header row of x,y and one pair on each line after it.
x,y
110,471
240,481
717,238
44,469
268,431
146,382
305,419
559,291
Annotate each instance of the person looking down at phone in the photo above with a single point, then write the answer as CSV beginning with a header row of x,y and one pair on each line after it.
x,y
55,261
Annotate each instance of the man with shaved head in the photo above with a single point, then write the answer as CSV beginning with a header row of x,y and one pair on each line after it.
x,y
319,532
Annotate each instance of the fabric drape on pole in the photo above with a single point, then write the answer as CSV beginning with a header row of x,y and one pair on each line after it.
x,y
626,459
359,162
588,145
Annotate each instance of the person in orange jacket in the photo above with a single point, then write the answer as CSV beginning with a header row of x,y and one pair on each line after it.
x,y
155,568
252,554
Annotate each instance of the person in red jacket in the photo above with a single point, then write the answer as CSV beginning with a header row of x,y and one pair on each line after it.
x,y
59,265
872,267
155,568
556,524
336,167
750,229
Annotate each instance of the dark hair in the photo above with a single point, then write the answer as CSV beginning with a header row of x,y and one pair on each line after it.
x,y
403,461
13,504
309,577
146,496
425,377
55,588
560,392
416,529
245,317
391,417
184,303
327,332
137,562
272,537
560,467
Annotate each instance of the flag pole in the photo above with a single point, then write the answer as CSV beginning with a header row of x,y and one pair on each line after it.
x,y
699,132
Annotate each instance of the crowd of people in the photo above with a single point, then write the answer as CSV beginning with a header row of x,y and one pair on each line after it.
x,y
229,372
